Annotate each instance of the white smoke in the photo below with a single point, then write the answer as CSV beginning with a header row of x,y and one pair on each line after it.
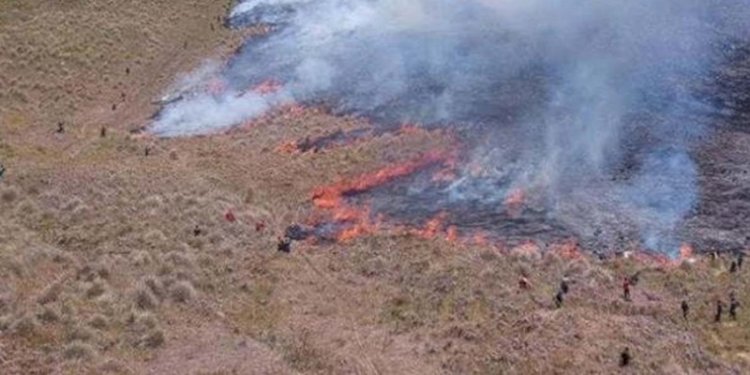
x,y
565,91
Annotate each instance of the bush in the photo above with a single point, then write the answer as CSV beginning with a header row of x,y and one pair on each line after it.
x,y
79,350
25,326
98,321
144,299
9,195
48,315
81,333
50,294
182,292
154,339
96,290
156,286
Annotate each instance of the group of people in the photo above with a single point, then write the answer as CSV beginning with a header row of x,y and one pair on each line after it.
x,y
629,281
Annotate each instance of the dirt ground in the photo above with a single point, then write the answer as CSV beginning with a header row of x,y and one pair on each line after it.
x,y
117,261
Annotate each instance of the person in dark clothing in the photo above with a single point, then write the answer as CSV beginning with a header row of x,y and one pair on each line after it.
x,y
733,306
625,357
103,132
147,151
60,127
197,231
285,245
559,299
564,287
685,309
719,310
733,267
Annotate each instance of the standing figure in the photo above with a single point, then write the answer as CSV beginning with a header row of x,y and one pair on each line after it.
x,y
625,357
559,299
626,289
733,306
719,310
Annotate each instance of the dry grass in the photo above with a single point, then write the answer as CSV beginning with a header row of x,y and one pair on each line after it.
x,y
99,264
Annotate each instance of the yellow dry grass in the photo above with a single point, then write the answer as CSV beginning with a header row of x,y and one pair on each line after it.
x,y
100,270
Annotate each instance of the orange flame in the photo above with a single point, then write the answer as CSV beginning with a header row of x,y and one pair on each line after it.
x,y
480,238
267,87
216,86
451,234
359,220
527,248
514,201
568,249
686,252
330,197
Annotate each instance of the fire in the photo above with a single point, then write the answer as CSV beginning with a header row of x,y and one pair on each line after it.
x,y
331,196
476,170
267,87
527,249
432,227
411,129
444,175
451,234
514,201
288,148
568,249
216,86
480,238
361,225
357,221
686,252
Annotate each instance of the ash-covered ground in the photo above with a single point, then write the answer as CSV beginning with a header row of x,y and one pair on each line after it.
x,y
621,125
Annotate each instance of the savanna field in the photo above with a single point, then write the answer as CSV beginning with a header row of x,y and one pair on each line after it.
x,y
126,252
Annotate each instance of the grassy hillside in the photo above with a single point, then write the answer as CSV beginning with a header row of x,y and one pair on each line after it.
x,y
101,270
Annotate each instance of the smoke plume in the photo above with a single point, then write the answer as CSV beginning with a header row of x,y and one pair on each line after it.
x,y
590,106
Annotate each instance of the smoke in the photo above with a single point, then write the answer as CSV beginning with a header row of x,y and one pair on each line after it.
x,y
590,105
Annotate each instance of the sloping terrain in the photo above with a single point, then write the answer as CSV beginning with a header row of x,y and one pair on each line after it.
x,y
127,254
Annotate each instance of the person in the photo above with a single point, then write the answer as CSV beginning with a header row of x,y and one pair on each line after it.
x,y
559,299
685,309
147,151
733,267
60,127
625,357
626,289
564,287
719,310
733,306
196,231
285,245
523,283
103,132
